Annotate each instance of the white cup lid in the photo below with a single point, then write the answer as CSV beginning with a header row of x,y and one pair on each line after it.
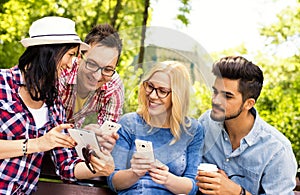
x,y
207,167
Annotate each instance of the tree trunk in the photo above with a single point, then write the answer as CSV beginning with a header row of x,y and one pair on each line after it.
x,y
116,12
143,36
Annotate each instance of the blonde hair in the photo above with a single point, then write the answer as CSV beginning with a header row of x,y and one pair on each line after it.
x,y
180,86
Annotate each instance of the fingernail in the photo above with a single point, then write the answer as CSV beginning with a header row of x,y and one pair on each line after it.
x,y
75,143
72,125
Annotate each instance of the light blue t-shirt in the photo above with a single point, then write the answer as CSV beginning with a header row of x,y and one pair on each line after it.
x,y
182,158
263,164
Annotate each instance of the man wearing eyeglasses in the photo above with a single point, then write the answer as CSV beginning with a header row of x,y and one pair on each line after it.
x,y
92,85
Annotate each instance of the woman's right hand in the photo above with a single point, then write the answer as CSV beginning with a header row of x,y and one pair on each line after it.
x,y
55,138
140,164
124,179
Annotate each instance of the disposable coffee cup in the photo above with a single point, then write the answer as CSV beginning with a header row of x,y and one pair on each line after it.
x,y
207,167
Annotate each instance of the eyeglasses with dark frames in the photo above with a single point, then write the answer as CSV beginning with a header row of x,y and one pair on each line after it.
x,y
161,92
86,152
94,67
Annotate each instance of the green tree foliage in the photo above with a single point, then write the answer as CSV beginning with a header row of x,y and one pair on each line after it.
x,y
184,11
200,99
279,102
16,17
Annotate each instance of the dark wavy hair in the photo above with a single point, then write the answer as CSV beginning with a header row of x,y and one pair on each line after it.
x,y
105,35
39,66
249,75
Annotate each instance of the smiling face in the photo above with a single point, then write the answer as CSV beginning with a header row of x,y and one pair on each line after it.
x,y
102,57
159,106
227,102
66,61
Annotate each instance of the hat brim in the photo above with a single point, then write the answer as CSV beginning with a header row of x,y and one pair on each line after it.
x,y
36,41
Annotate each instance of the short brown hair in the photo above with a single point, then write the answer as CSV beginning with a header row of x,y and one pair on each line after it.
x,y
239,68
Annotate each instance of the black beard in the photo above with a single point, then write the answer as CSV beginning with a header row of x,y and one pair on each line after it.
x,y
224,118
235,115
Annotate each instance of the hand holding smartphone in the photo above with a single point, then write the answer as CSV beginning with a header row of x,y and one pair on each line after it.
x,y
109,127
85,139
146,148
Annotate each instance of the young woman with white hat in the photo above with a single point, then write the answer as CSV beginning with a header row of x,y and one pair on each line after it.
x,y
32,116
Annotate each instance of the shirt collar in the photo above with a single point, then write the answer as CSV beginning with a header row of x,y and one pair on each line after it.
x,y
17,76
107,85
251,138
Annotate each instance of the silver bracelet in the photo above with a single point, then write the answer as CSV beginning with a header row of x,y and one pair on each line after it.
x,y
24,146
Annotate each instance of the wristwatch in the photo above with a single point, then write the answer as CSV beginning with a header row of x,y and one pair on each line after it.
x,y
243,191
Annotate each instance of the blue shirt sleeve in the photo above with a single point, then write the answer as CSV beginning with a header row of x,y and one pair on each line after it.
x,y
194,156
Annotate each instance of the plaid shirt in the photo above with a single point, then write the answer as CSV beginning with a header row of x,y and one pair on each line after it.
x,y
107,101
22,173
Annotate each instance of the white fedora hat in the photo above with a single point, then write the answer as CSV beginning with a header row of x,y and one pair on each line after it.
x,y
53,30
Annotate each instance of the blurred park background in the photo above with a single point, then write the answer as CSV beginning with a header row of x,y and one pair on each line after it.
x,y
279,103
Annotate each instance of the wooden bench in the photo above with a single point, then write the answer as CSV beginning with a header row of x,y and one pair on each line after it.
x,y
45,188
50,183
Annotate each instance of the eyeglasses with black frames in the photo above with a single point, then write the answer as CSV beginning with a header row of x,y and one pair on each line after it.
x,y
161,92
94,67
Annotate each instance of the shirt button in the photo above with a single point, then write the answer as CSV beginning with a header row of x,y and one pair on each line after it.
x,y
227,159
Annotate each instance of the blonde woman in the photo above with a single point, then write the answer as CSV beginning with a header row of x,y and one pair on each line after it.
x,y
177,139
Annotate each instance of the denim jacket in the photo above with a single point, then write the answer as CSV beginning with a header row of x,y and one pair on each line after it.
x,y
182,158
263,164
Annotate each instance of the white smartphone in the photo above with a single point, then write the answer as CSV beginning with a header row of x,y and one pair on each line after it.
x,y
85,138
109,127
145,147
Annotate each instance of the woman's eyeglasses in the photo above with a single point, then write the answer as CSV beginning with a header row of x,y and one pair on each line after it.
x,y
161,92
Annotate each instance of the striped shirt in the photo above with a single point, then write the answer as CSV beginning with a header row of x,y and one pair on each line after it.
x,y
22,173
107,101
